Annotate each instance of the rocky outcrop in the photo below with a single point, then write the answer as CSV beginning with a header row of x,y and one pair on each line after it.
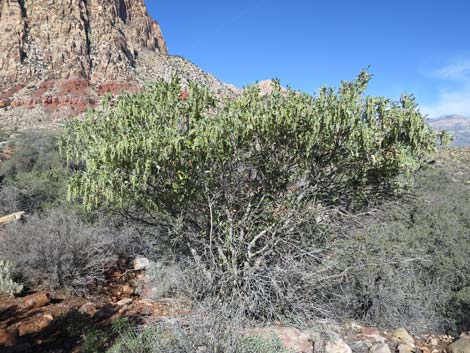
x,y
86,39
58,57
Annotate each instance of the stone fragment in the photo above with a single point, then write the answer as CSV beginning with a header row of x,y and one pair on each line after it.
x,y
141,263
127,290
405,348
461,345
292,339
370,331
433,342
35,325
380,348
35,301
88,309
124,302
400,335
337,346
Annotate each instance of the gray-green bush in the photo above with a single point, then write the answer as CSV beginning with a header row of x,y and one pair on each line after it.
x,y
60,251
7,283
408,266
34,177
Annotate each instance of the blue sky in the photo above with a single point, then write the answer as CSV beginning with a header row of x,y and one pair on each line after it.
x,y
417,46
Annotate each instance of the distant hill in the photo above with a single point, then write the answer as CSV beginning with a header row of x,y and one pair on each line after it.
x,y
458,125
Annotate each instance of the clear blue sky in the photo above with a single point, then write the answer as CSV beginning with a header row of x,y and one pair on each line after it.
x,y
417,46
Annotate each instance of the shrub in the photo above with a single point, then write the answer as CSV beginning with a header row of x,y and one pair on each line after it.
x,y
34,177
164,152
408,265
165,279
243,185
382,281
59,251
7,284
459,310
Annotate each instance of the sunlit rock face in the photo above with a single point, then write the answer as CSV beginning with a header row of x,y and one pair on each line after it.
x,y
76,39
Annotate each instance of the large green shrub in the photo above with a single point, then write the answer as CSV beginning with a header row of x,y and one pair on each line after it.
x,y
162,151
245,184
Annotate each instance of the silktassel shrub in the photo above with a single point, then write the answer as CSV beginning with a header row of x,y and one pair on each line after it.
x,y
245,184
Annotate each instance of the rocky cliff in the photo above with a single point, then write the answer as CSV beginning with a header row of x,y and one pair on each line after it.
x,y
76,39
57,57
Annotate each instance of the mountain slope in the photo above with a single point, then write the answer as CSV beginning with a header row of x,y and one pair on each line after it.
x,y
458,125
58,57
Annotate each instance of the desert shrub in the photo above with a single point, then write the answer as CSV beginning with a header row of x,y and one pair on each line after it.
x,y
7,283
161,151
408,266
34,177
60,251
165,279
383,282
243,185
458,309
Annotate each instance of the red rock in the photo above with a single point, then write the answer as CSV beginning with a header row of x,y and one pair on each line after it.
x,y
8,337
35,325
124,302
117,87
5,103
127,290
370,331
37,300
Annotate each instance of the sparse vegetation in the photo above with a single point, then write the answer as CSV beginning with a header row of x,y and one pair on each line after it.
x,y
34,177
209,329
60,251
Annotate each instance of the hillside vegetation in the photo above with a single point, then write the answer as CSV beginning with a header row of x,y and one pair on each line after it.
x,y
285,207
458,125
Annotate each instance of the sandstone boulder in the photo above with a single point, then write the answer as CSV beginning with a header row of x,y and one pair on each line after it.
x,y
400,335
380,348
36,300
462,345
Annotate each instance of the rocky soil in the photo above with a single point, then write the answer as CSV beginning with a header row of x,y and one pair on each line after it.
x,y
56,322
44,322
